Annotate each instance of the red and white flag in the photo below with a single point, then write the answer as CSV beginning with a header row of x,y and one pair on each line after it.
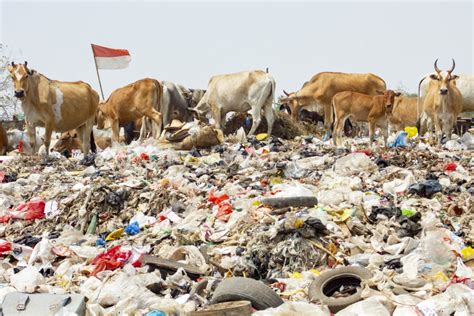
x,y
111,58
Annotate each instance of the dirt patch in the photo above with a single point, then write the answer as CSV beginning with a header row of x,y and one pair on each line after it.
x,y
284,127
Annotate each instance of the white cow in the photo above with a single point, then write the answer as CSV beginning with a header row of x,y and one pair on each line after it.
x,y
239,92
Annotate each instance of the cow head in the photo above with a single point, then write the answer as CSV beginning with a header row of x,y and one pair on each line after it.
x,y
291,100
67,141
20,74
443,80
389,99
100,117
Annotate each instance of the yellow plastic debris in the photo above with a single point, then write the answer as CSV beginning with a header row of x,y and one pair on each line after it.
x,y
411,131
275,180
256,203
296,275
261,136
315,272
116,234
467,253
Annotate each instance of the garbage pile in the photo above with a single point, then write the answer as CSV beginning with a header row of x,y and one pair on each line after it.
x,y
267,226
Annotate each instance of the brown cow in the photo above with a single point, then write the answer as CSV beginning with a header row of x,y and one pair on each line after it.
x,y
363,108
403,113
316,94
130,103
3,141
442,103
55,105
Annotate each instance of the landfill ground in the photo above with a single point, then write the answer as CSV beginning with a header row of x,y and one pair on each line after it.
x,y
147,230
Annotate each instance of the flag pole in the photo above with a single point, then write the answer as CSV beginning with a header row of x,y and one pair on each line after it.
x,y
97,70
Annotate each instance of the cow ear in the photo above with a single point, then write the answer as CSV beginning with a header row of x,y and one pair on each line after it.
x,y
74,135
434,77
10,67
454,77
398,94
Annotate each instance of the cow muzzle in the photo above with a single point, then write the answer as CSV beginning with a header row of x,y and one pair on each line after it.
x,y
443,91
20,94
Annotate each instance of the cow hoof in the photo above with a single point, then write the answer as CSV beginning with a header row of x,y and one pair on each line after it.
x,y
88,160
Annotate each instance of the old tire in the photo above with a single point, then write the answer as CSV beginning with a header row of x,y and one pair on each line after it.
x,y
243,289
327,283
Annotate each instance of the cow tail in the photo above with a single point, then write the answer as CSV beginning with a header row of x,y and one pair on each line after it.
x,y
93,146
418,105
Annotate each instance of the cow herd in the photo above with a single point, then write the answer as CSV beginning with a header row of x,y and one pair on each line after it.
x,y
73,108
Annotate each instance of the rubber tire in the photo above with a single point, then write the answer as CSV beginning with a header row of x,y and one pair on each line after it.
x,y
316,293
244,289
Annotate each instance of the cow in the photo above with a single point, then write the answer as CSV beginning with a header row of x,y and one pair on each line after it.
x,y
3,141
404,113
315,117
442,103
465,84
373,109
69,141
174,104
316,94
130,103
55,105
239,92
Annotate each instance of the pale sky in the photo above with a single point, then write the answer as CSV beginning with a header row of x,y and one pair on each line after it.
x,y
188,42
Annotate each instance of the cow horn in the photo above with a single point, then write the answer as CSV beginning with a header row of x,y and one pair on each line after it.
x,y
26,63
13,64
286,93
436,66
452,68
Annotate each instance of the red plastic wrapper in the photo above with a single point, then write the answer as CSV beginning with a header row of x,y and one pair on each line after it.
x,y
225,209
364,151
5,247
33,209
217,199
450,167
110,259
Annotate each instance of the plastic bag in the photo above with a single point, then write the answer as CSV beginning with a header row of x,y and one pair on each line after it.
x,y
411,131
354,163
400,140
132,229
369,307
111,259
33,209
27,280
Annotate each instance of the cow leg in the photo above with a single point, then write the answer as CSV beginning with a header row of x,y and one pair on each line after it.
x,y
84,133
156,117
269,116
371,131
31,130
47,137
328,119
115,131
448,126
385,135
256,119
143,129
336,136
438,130
218,117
